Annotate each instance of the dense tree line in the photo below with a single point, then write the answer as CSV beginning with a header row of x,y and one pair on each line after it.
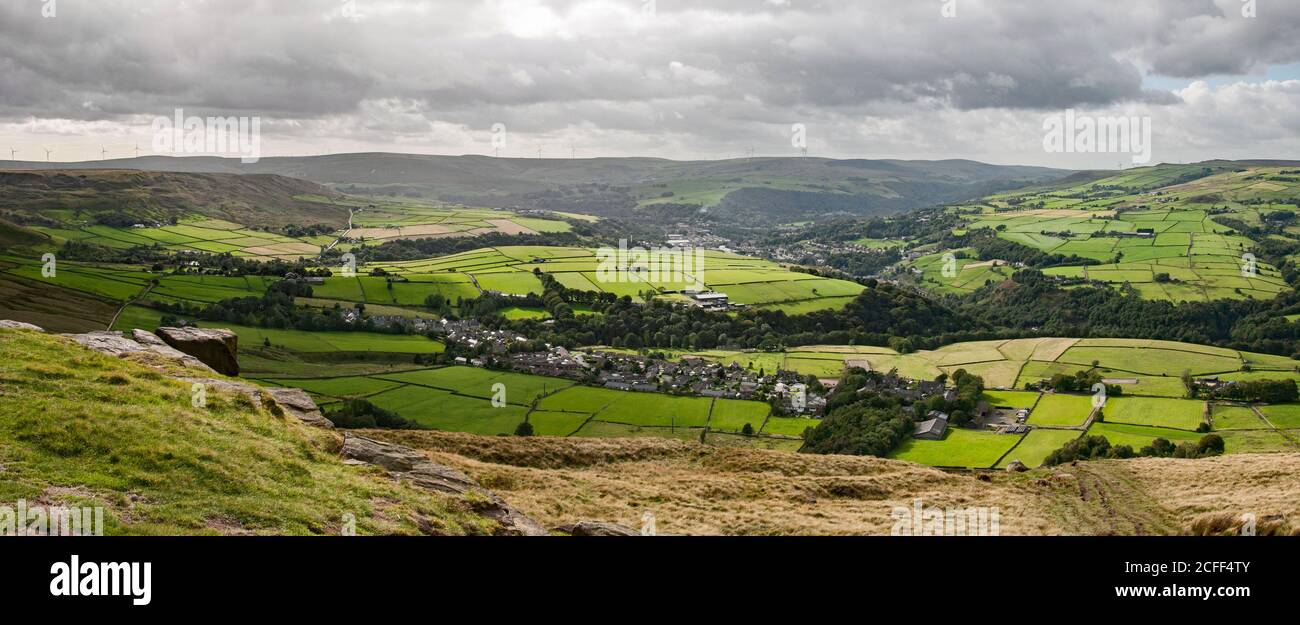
x,y
1099,448
1266,391
359,414
1032,302
274,309
881,315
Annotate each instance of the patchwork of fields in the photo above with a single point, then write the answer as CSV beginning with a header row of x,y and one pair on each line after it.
x,y
1162,240
748,281
202,235
373,223
1141,366
1148,371
394,221
461,399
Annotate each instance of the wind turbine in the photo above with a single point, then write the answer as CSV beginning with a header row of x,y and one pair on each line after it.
x,y
137,150
13,154
103,153
48,152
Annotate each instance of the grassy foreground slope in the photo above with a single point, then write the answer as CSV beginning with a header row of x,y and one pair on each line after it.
x,y
78,428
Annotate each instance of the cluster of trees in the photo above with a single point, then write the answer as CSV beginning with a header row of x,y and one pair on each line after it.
x,y
296,231
881,315
361,414
855,425
415,249
1099,448
1031,304
960,410
874,424
1266,391
274,309
216,264
1082,381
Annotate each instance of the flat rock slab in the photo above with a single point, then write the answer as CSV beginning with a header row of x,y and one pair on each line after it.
x,y
217,349
8,324
299,404
407,463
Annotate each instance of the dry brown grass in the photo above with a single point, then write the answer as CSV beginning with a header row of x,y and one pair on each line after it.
x,y
1210,496
697,489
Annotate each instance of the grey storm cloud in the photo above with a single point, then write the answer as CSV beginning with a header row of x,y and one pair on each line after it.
x,y
370,68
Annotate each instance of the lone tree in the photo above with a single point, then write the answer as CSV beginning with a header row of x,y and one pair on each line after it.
x,y
748,430
524,429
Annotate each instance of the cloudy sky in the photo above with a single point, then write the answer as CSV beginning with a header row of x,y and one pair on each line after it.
x,y
925,79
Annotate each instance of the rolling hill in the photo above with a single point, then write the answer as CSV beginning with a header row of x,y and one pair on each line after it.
x,y
121,196
768,188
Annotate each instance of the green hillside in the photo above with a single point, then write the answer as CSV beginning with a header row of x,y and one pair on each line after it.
x,y
768,188
40,197
1168,232
78,428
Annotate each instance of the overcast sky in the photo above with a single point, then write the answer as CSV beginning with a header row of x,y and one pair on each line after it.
x,y
679,79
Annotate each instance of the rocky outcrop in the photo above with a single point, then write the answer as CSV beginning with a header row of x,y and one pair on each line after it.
x,y
406,463
297,403
111,343
6,324
157,346
596,528
218,349
1017,466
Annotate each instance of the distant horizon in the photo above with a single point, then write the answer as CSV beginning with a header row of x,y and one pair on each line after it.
x,y
658,158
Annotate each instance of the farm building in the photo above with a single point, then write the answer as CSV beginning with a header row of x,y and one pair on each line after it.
x,y
932,429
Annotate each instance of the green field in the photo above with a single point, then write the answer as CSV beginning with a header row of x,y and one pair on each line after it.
x,y
1282,416
1037,445
960,448
1139,436
1180,414
1061,410
1011,399
1236,418
461,399
732,416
